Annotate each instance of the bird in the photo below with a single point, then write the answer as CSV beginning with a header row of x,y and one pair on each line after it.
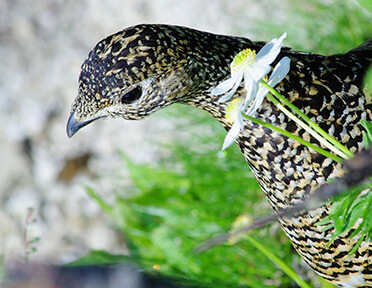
x,y
137,71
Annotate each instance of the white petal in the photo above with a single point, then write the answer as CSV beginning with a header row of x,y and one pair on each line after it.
x,y
265,49
251,87
233,89
259,71
232,135
274,44
270,51
260,96
280,71
239,117
224,86
268,58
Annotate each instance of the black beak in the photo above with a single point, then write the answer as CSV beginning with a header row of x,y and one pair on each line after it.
x,y
73,126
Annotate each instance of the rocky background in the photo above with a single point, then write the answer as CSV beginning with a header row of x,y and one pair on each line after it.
x,y
43,173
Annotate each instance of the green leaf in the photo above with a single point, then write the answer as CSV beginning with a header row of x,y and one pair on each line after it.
x,y
99,257
346,210
105,207
367,4
367,134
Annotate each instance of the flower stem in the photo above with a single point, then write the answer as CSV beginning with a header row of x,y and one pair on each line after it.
x,y
345,153
294,137
307,128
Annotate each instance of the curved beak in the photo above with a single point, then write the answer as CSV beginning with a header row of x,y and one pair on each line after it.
x,y
73,126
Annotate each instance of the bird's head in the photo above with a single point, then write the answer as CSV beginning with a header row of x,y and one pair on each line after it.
x,y
135,72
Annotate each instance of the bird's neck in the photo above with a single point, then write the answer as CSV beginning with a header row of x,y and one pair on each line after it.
x,y
207,67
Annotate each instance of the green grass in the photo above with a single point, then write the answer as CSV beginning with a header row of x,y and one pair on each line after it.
x,y
185,199
318,26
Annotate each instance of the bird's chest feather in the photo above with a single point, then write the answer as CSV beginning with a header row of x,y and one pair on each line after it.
x,y
288,170
285,169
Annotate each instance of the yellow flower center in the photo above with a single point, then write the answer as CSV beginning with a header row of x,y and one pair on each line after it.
x,y
232,109
244,59
264,79
240,222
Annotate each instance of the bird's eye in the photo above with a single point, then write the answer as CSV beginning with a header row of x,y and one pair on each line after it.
x,y
131,96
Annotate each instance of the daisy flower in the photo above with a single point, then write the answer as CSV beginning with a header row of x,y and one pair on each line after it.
x,y
251,67
280,71
235,108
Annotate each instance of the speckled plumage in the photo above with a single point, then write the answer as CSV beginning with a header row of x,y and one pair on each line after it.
x,y
175,64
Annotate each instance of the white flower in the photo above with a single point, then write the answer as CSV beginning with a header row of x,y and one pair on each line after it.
x,y
278,74
246,64
233,115
253,68
235,108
